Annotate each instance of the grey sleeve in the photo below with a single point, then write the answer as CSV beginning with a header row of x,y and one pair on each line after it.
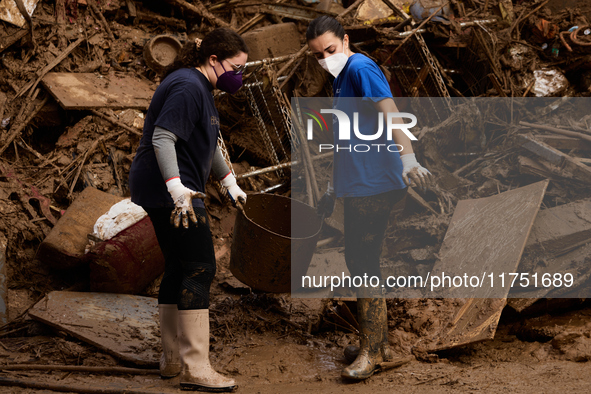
x,y
163,142
218,166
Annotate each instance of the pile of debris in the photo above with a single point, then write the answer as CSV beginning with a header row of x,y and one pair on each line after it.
x,y
77,79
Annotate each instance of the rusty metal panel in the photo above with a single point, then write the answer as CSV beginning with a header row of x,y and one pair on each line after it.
x,y
486,234
91,91
125,326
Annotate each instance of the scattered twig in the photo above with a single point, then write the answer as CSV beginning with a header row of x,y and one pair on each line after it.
x,y
115,122
34,384
199,9
19,128
95,9
40,74
557,130
23,10
414,31
79,368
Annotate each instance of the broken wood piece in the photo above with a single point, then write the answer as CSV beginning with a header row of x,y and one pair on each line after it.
x,y
291,11
131,8
7,41
307,160
558,163
254,20
568,133
575,262
472,249
420,200
3,281
563,142
19,127
79,368
60,12
11,11
279,166
556,230
497,85
95,9
91,91
3,99
115,122
65,245
152,17
40,74
198,8
109,388
125,326
386,365
415,31
349,9
23,10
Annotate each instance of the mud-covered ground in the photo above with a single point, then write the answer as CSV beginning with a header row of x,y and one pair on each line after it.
x,y
272,343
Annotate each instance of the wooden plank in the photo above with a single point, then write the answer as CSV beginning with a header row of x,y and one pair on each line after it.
x,y
10,39
123,325
487,236
90,91
560,163
574,262
559,229
562,142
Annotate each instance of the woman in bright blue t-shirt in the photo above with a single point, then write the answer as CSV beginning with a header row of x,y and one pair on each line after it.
x,y
370,183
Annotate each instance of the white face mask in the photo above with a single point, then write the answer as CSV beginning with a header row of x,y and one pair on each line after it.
x,y
334,64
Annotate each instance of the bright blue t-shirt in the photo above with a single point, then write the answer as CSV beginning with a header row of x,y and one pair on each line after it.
x,y
360,173
182,104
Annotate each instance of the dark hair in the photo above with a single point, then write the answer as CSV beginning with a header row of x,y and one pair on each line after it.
x,y
222,42
324,24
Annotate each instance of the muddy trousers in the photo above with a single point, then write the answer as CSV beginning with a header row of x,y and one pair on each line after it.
x,y
183,303
189,260
366,220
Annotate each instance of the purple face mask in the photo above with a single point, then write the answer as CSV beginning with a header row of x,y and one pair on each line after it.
x,y
229,81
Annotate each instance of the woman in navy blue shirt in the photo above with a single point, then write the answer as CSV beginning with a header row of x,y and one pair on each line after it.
x,y
370,182
177,151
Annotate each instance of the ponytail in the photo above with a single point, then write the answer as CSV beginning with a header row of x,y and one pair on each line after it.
x,y
222,42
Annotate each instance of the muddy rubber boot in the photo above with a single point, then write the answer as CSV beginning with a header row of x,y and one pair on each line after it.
x,y
372,315
196,371
351,352
170,361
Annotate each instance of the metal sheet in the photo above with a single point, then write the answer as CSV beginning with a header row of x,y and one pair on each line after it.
x,y
91,91
125,326
485,234
9,11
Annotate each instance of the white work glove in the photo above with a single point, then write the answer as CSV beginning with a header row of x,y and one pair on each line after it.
x,y
235,192
183,203
414,173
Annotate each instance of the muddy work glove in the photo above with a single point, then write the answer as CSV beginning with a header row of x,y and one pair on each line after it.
x,y
183,203
326,204
234,191
413,174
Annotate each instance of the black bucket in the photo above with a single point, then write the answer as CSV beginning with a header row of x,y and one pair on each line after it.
x,y
265,247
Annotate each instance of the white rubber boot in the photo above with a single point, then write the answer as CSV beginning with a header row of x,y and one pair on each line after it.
x,y
170,361
196,371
